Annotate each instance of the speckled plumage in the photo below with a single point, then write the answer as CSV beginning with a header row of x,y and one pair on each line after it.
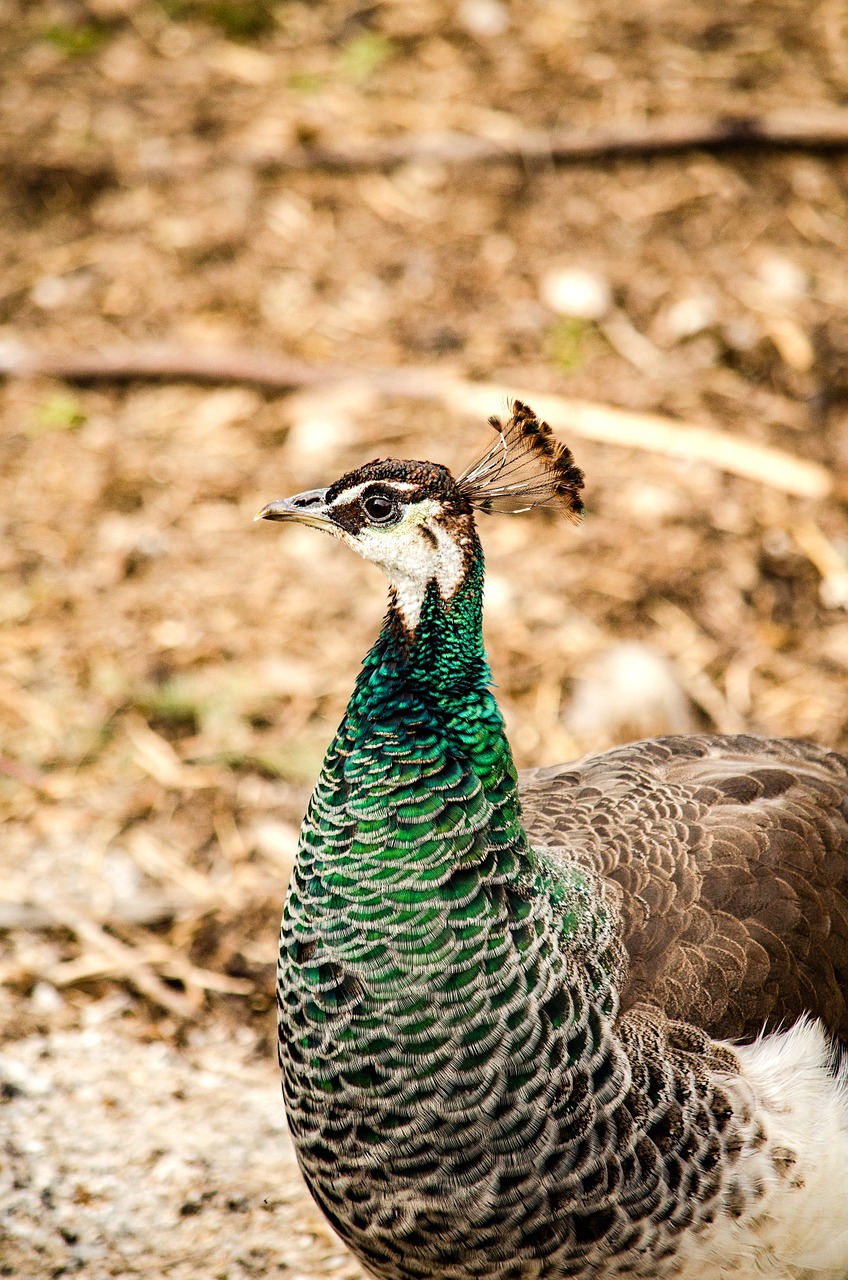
x,y
498,1012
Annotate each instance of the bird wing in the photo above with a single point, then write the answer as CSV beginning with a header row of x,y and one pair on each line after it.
x,y
729,859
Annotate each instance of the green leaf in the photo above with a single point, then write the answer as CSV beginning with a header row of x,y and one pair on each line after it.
x,y
363,55
76,41
59,412
238,19
566,342
306,81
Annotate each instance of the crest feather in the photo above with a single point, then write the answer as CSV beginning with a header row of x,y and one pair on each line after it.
x,y
525,467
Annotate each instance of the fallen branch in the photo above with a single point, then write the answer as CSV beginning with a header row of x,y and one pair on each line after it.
x,y
650,432
164,361
813,129
822,129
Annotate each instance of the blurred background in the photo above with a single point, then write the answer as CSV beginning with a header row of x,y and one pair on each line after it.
x,y
171,673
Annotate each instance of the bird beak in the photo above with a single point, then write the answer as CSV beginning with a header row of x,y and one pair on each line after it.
x,y
307,508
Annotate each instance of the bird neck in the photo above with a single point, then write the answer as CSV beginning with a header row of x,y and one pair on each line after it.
x,y
424,694
441,657
421,765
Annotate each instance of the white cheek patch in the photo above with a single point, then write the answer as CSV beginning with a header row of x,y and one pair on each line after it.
x,y
444,562
411,560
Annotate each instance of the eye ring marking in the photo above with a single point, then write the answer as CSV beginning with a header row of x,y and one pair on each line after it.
x,y
380,509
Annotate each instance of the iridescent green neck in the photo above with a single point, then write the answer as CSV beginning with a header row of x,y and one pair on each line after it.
x,y
442,660
429,693
419,783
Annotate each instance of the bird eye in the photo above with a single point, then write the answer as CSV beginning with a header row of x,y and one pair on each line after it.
x,y
379,509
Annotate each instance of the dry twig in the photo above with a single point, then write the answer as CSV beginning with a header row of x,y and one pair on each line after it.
x,y
113,956
651,432
138,965
813,129
141,909
27,776
830,563
823,130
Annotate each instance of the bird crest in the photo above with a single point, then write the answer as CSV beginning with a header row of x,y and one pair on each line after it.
x,y
526,466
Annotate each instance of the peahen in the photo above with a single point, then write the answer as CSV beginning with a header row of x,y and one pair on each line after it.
x,y
578,1022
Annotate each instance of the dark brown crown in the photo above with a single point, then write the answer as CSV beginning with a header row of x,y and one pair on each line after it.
x,y
427,478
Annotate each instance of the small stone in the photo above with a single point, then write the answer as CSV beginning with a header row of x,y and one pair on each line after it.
x,y
783,279
288,216
833,591
484,18
792,343
49,292
599,67
654,503
741,334
628,692
111,10
223,408
170,634
13,353
286,302
688,316
498,250
499,596
44,998
576,292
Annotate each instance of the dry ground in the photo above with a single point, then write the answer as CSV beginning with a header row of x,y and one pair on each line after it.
x,y
171,673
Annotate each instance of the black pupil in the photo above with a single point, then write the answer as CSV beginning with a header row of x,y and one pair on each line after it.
x,y
378,507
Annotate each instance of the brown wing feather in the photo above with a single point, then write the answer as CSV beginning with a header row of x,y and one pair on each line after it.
x,y
729,856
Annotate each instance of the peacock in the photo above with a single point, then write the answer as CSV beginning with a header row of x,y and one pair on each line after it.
x,y
581,1021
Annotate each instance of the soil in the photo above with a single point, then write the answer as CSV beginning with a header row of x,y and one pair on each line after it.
x,y
171,673
130,1159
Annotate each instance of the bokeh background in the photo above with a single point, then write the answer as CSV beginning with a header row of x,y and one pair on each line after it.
x,y
170,672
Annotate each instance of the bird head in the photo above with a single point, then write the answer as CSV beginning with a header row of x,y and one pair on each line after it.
x,y
417,522
410,518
